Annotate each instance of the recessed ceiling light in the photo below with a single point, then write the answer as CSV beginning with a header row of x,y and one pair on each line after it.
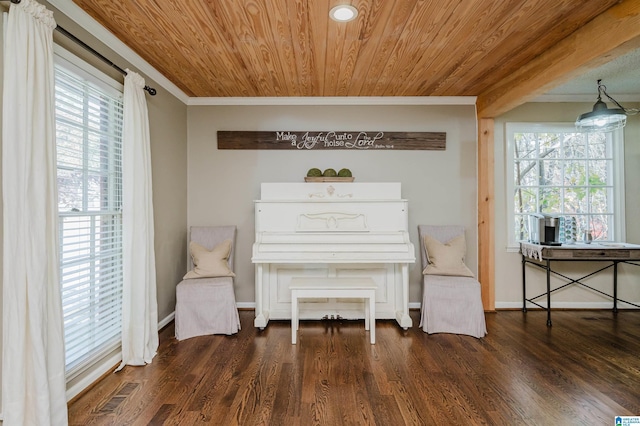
x,y
343,13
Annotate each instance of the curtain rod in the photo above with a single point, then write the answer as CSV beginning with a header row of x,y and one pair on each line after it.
x,y
84,45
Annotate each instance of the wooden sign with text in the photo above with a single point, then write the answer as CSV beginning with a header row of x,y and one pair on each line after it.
x,y
332,140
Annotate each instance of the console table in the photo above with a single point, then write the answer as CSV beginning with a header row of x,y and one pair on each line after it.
x,y
541,256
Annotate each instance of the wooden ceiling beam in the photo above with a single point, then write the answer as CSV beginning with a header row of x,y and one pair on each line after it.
x,y
611,34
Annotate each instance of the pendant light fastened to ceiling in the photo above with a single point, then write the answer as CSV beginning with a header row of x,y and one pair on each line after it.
x,y
343,13
602,118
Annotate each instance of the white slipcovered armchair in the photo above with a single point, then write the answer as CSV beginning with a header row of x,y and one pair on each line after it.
x,y
451,302
205,298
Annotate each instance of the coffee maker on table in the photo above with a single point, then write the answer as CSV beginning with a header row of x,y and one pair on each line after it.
x,y
544,229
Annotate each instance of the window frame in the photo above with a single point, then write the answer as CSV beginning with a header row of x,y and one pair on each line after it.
x,y
94,77
617,146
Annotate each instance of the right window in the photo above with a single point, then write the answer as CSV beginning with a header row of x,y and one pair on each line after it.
x,y
556,170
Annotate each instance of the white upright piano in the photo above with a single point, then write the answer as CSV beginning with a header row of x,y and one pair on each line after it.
x,y
332,229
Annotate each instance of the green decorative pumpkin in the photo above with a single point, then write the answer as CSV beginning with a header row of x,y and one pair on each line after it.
x,y
330,173
344,173
314,172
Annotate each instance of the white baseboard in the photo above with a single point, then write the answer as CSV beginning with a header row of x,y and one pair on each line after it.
x,y
565,305
252,305
501,305
162,323
107,364
511,305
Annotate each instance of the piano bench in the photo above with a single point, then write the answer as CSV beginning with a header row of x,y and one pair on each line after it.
x,y
325,287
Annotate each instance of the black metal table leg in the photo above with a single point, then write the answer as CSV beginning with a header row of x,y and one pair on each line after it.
x,y
548,293
615,287
524,285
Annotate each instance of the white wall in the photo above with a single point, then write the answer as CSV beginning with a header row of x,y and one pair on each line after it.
x,y
508,264
440,185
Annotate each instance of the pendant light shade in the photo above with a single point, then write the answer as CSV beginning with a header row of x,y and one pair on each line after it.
x,y
602,118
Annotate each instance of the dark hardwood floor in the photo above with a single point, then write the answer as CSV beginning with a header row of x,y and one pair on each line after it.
x,y
582,371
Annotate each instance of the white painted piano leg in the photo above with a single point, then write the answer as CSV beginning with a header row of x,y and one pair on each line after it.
x,y
402,316
260,320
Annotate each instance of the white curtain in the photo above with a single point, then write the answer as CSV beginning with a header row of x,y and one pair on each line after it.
x,y
139,304
33,382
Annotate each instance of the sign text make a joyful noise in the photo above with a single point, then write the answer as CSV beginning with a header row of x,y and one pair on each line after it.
x,y
362,140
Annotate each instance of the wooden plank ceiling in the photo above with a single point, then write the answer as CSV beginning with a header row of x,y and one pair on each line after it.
x,y
258,48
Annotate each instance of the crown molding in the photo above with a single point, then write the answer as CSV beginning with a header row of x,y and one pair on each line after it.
x,y
337,100
83,19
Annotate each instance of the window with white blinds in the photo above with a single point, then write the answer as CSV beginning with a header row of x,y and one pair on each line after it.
x,y
89,168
